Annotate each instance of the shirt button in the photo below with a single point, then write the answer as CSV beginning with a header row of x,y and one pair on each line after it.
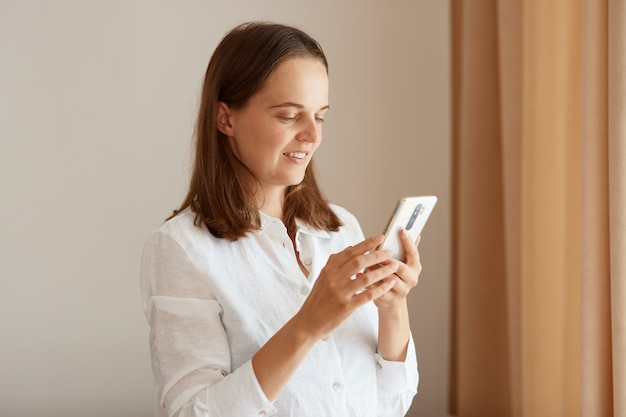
x,y
378,365
304,290
308,261
324,339
261,413
336,386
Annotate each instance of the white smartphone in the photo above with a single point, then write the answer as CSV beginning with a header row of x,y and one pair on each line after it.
x,y
411,213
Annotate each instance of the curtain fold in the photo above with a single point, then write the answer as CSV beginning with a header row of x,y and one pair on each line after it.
x,y
510,68
617,196
596,361
479,241
550,283
539,126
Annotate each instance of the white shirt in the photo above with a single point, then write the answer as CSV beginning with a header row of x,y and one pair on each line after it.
x,y
212,304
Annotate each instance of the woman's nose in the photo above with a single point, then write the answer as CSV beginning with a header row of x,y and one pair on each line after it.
x,y
311,130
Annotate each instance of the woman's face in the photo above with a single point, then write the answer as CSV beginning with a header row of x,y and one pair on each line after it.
x,y
276,133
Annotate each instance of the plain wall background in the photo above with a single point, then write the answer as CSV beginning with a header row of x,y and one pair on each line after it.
x,y
97,105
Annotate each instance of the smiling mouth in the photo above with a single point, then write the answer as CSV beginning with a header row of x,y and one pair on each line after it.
x,y
297,155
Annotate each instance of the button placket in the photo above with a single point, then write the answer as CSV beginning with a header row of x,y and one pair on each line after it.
x,y
304,250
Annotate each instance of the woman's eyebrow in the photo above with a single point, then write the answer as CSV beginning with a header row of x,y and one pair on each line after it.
x,y
296,105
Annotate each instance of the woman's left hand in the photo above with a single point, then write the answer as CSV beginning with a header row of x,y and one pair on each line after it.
x,y
406,276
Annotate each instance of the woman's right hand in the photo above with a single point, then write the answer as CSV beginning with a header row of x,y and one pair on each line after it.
x,y
346,283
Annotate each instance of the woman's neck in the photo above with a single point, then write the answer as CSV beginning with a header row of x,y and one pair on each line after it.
x,y
272,202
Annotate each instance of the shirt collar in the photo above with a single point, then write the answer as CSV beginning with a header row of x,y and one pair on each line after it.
x,y
303,228
308,230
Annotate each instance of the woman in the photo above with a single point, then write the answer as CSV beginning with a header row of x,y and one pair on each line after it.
x,y
262,298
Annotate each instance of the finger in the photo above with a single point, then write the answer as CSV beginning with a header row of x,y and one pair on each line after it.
x,y
408,275
354,260
364,246
410,248
374,276
376,291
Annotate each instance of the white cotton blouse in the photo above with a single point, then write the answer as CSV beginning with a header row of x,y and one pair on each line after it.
x,y
212,304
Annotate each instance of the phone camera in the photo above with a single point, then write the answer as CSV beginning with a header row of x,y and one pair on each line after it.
x,y
418,210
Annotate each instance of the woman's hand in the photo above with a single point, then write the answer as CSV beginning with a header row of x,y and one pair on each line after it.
x,y
407,273
347,282
340,289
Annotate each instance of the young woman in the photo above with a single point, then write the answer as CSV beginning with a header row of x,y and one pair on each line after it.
x,y
264,299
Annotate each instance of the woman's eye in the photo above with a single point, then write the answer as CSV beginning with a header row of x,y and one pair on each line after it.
x,y
295,118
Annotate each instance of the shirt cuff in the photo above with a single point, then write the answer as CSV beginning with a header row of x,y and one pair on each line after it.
x,y
239,394
397,377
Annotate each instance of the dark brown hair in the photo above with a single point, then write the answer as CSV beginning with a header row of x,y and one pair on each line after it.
x,y
219,192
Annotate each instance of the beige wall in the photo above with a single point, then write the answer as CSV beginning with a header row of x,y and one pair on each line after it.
x,y
97,101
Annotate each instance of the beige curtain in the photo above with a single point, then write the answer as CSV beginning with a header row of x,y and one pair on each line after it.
x,y
539,195
617,196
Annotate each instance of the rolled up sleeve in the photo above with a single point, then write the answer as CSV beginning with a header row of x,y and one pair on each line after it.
x,y
188,344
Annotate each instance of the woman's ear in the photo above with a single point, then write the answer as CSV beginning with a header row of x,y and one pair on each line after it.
x,y
223,119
